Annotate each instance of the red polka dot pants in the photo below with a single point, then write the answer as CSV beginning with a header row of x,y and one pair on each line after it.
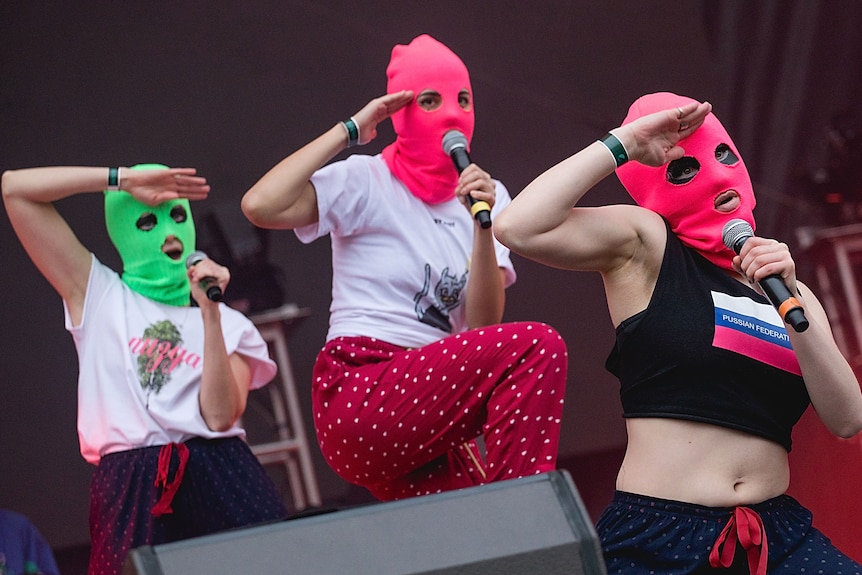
x,y
404,422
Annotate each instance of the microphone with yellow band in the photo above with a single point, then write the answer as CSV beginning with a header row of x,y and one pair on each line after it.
x,y
455,146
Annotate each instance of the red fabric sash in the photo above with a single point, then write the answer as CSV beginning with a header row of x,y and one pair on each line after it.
x,y
169,488
745,527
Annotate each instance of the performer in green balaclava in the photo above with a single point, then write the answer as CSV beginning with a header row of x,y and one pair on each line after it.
x,y
140,232
162,383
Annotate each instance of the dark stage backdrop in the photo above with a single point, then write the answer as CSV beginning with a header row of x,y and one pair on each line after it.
x,y
232,87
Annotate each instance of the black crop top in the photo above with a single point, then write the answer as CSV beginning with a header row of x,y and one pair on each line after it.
x,y
708,348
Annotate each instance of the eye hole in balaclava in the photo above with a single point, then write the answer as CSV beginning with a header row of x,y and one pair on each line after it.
x,y
146,222
682,171
725,155
179,214
430,100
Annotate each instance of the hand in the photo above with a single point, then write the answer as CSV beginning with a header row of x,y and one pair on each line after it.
x,y
377,110
204,274
152,187
652,139
477,183
762,257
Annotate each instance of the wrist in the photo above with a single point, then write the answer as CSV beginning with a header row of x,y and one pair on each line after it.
x,y
352,128
114,175
615,146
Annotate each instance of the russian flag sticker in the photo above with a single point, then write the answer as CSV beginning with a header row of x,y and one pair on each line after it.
x,y
754,330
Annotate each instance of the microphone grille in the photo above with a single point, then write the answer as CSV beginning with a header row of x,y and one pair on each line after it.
x,y
195,258
734,231
453,139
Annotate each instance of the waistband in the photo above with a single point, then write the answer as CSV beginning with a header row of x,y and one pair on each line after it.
x,y
702,511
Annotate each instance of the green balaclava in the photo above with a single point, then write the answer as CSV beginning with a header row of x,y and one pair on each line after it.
x,y
146,269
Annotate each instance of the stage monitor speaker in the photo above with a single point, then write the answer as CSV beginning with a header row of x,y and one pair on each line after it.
x,y
535,524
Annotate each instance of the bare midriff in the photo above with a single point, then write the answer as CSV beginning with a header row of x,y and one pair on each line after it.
x,y
701,463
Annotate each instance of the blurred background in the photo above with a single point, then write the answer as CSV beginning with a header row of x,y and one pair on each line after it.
x,y
232,87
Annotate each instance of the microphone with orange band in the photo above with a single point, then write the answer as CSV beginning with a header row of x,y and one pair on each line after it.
x,y
734,235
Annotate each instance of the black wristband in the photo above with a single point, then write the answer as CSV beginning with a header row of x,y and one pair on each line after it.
x,y
113,179
352,132
616,148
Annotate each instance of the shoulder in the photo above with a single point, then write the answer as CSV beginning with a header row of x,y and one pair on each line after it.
x,y
355,162
231,317
101,279
356,174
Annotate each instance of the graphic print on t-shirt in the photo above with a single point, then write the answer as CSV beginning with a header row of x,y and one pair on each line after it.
x,y
447,296
159,351
754,330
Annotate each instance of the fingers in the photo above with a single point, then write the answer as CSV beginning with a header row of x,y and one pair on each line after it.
x,y
654,138
153,187
208,269
690,117
187,184
398,100
192,187
477,183
204,275
762,257
378,110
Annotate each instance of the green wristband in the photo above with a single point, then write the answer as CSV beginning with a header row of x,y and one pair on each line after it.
x,y
352,132
113,179
616,148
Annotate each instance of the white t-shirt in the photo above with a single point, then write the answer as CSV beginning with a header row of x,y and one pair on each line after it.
x,y
140,365
400,265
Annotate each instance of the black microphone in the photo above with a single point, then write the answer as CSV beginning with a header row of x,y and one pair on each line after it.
x,y
455,146
213,291
734,235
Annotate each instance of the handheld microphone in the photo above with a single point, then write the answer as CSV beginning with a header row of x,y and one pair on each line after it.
x,y
734,235
455,146
213,291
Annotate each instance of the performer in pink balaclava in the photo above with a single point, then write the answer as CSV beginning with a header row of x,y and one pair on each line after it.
x,y
416,364
416,157
711,380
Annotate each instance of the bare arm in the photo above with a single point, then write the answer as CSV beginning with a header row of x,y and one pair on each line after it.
x,y
225,379
284,198
624,243
485,298
832,385
544,223
29,195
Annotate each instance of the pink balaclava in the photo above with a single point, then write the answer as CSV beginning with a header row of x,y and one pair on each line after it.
x,y
685,201
416,157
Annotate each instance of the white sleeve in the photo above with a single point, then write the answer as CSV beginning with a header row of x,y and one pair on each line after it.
x,y
343,192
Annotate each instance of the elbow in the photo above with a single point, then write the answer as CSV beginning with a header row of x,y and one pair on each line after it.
x,y
850,429
8,183
507,233
845,427
222,418
253,209
220,422
218,426
502,229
